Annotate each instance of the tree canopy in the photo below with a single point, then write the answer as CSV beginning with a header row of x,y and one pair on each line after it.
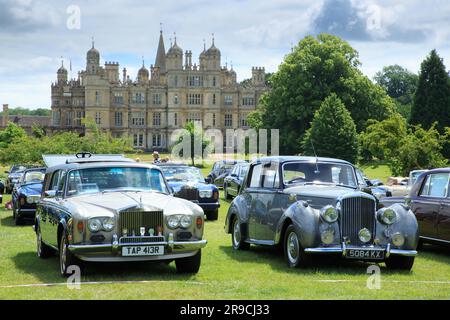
x,y
315,69
332,132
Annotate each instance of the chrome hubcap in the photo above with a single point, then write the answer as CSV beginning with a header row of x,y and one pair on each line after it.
x,y
39,244
236,234
63,256
292,247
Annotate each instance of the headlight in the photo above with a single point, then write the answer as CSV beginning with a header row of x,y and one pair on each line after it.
x,y
95,225
108,224
205,193
185,221
398,239
364,235
173,222
387,216
329,214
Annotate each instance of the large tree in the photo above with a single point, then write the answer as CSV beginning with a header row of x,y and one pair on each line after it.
x,y
400,84
333,132
432,98
316,68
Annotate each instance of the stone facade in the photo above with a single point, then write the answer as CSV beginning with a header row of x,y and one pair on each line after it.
x,y
160,100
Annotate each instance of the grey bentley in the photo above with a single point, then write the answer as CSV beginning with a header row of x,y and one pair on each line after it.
x,y
310,206
112,209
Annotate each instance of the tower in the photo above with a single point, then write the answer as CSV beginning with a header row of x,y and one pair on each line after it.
x,y
161,55
258,76
212,57
143,74
174,57
112,71
5,117
92,61
62,74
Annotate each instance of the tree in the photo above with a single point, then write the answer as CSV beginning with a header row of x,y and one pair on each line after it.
x,y
401,85
332,132
432,98
316,68
419,149
381,139
11,132
195,134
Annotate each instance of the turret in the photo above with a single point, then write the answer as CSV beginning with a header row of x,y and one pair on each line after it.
x,y
258,76
212,57
62,74
92,61
174,57
143,74
112,71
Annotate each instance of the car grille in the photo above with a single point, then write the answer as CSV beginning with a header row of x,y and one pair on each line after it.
x,y
133,221
357,213
188,194
141,239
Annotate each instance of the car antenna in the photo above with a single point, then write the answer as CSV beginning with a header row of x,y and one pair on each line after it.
x,y
317,158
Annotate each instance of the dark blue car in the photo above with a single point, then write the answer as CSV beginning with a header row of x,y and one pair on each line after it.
x,y
26,195
188,183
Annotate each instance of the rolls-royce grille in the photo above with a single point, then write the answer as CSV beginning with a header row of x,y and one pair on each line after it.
x,y
133,221
141,239
188,194
357,213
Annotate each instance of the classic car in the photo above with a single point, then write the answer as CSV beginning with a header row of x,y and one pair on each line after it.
x,y
220,170
188,183
374,187
112,209
401,187
26,194
14,175
232,183
2,190
314,206
429,200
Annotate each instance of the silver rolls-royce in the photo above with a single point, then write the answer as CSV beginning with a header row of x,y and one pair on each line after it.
x,y
311,206
112,209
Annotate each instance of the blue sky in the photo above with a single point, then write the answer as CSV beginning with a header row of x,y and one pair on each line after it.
x,y
34,34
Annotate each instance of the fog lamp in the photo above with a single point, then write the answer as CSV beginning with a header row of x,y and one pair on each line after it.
x,y
364,235
398,239
95,225
327,237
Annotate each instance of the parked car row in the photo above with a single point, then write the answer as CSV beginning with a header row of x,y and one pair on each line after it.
x,y
108,208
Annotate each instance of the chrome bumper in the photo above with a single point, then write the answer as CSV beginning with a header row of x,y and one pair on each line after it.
x,y
343,250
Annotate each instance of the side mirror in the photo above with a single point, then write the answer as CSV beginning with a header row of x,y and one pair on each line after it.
x,y
208,180
50,193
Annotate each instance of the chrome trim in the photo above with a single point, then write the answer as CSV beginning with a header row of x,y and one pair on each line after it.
x,y
388,250
324,250
343,250
405,253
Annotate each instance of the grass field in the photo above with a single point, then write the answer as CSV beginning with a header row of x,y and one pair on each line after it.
x,y
257,274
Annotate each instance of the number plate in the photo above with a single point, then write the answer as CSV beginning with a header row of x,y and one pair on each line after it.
x,y
137,251
365,254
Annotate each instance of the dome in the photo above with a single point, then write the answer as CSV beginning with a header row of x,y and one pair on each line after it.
x,y
175,49
62,70
143,72
93,53
213,51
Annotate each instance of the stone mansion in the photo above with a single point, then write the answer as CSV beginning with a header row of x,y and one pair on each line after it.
x,y
158,101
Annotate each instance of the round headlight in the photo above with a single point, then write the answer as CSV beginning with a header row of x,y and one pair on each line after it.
x,y
95,225
327,237
329,214
185,221
173,222
108,224
205,194
388,216
398,239
364,235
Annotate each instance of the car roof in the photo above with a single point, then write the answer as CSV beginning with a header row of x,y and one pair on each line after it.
x,y
91,165
35,169
438,170
282,159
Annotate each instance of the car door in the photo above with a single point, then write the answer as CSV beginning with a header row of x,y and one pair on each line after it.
x,y
46,206
269,197
231,181
427,204
444,216
254,207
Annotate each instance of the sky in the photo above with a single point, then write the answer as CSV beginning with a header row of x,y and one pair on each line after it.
x,y
35,35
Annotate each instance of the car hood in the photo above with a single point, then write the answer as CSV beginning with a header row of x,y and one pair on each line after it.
x,y
178,185
31,189
111,203
319,196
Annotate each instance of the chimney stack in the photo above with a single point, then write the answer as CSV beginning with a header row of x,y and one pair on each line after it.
x,y
5,118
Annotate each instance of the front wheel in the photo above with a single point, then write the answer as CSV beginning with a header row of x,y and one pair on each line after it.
x,y
293,251
189,264
43,251
236,237
400,263
66,258
212,215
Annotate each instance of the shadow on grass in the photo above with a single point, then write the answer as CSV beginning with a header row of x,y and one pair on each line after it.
x,y
47,270
325,264
9,222
438,253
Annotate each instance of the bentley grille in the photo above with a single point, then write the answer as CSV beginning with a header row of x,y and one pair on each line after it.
x,y
357,213
141,240
133,221
188,194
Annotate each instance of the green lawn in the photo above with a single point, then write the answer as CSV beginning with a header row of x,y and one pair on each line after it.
x,y
225,274
257,274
